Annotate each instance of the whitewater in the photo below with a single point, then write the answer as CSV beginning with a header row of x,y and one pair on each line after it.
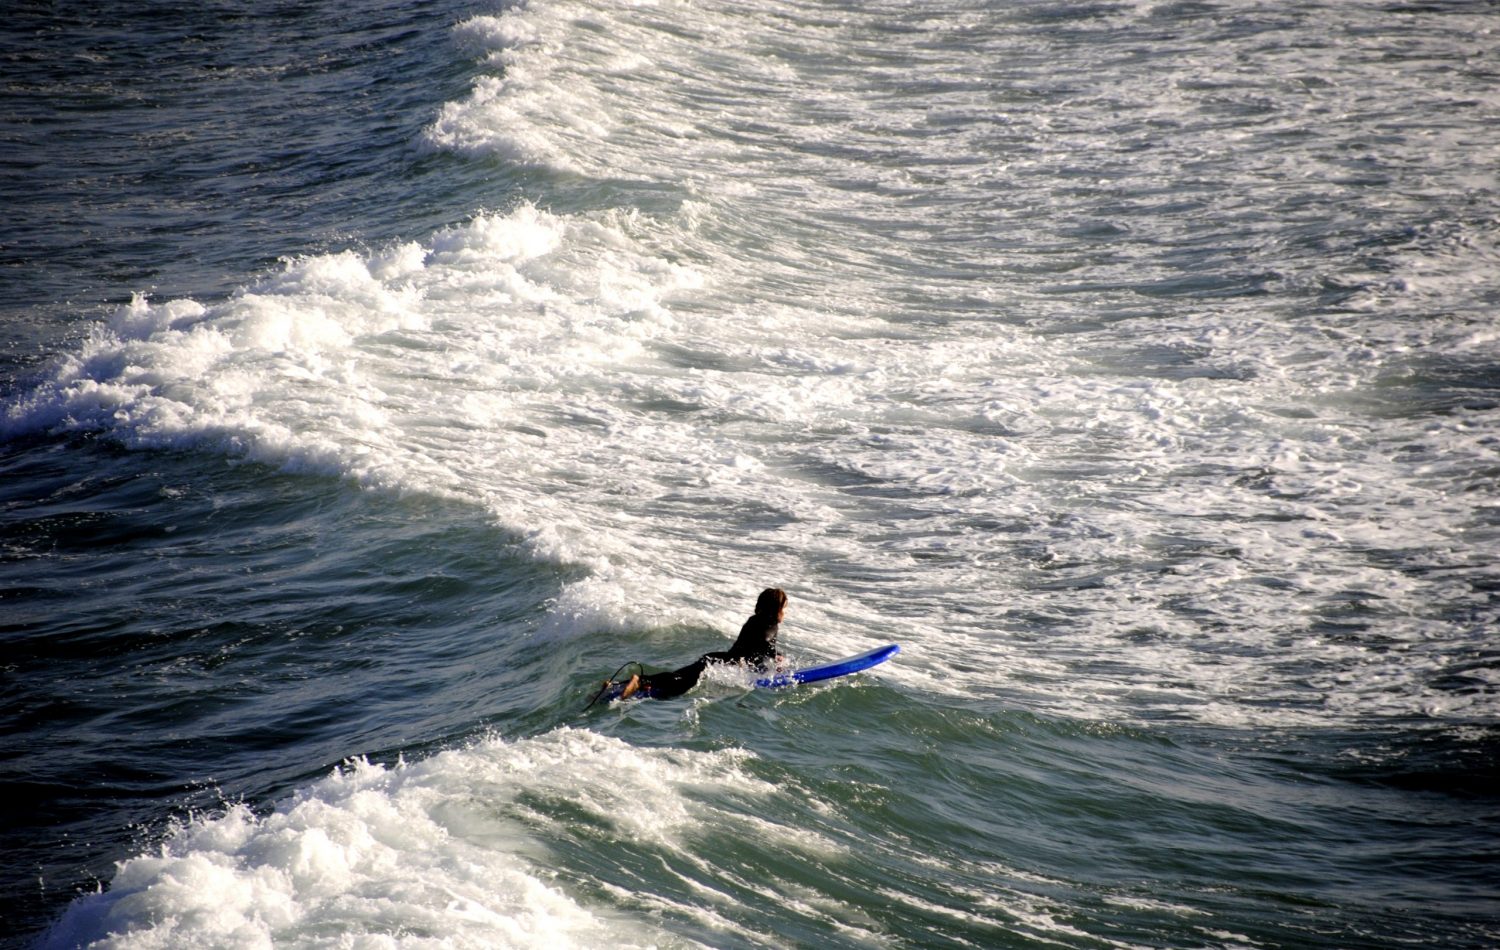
x,y
1132,365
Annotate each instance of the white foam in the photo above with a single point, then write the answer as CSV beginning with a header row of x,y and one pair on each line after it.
x,y
862,358
449,851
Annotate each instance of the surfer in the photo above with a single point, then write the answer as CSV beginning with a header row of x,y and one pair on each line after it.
x,y
756,646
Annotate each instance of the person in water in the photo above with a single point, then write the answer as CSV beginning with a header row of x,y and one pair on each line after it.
x,y
755,646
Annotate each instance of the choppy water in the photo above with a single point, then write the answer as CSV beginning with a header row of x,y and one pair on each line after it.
x,y
377,377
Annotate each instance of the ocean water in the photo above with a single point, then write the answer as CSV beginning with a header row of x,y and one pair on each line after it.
x,y
377,377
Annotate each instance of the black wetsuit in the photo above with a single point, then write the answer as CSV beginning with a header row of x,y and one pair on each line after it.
x,y
756,645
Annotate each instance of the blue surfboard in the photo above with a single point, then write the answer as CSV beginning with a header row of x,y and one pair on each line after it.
x,y
827,671
812,674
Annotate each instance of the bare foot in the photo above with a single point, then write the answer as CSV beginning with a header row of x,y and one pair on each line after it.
x,y
632,686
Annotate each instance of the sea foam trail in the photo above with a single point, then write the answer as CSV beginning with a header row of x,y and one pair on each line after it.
x,y
1057,436
931,489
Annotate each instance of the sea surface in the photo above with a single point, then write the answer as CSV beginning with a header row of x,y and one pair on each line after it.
x,y
376,377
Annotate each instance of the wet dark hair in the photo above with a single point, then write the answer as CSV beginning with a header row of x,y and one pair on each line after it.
x,y
770,602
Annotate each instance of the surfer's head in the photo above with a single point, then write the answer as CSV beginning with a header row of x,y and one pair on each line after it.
x,y
771,603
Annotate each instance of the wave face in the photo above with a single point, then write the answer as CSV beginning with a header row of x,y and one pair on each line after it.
x,y
1133,365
